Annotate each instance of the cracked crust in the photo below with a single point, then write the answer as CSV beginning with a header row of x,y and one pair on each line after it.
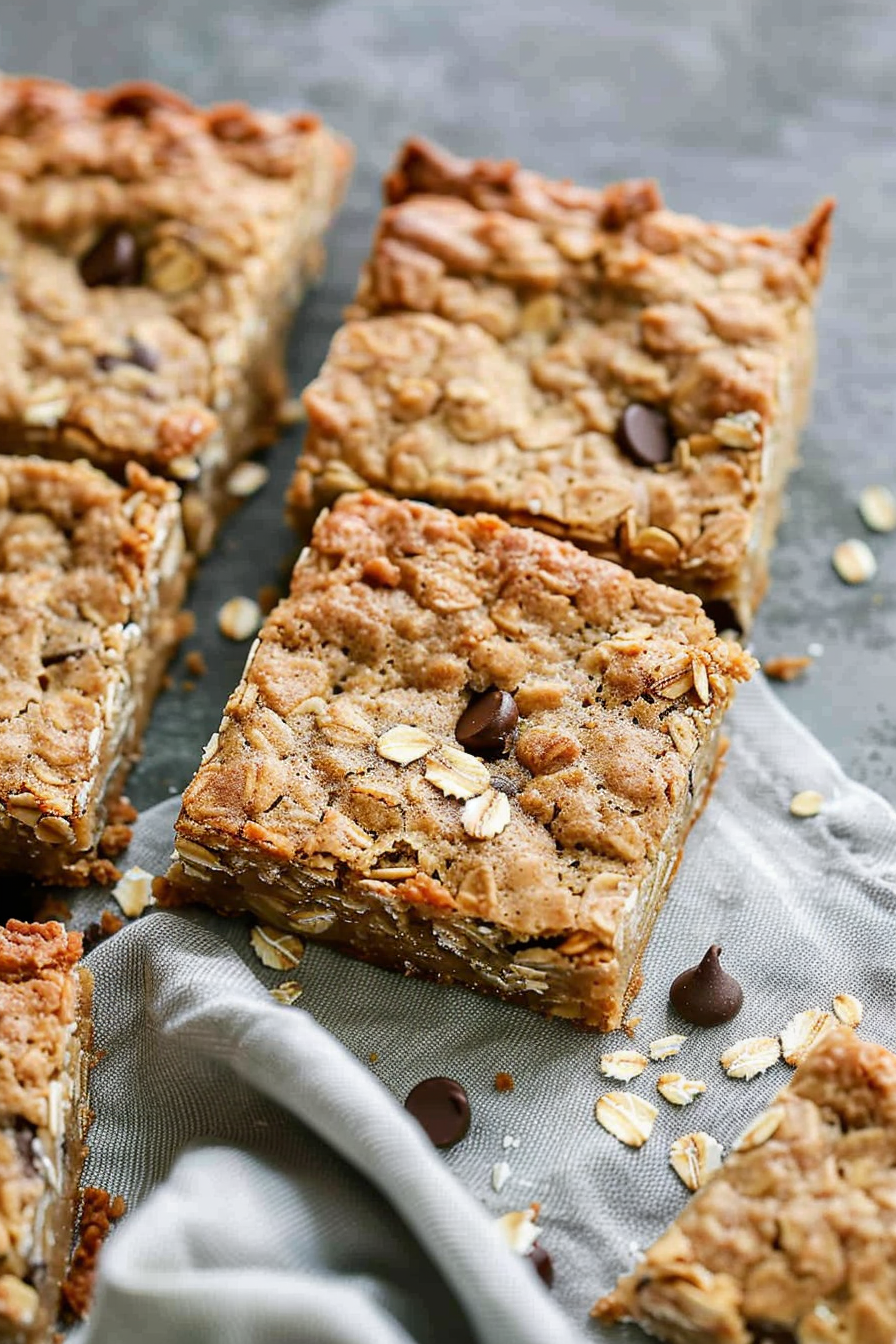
x,y
45,998
91,578
793,1239
504,322
396,613
227,206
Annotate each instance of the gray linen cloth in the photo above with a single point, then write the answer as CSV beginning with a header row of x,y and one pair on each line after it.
x,y
277,1189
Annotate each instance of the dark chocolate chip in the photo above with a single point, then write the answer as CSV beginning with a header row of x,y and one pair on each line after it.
x,y
706,995
487,725
722,615
114,259
138,353
646,435
142,354
505,785
443,1109
542,1263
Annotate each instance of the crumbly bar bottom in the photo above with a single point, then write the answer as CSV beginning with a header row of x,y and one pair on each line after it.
x,y
40,1171
21,851
592,985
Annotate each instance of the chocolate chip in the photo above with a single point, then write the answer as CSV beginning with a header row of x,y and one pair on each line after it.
x,y
721,613
443,1109
114,259
487,725
143,355
646,435
138,353
542,1263
706,995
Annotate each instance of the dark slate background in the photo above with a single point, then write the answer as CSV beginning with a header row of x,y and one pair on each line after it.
x,y
746,111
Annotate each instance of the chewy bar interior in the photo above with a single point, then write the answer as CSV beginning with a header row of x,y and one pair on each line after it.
x,y
794,1238
92,574
45,1043
584,362
151,255
464,750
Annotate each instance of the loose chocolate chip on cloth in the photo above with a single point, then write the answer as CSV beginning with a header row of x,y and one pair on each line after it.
x,y
277,1187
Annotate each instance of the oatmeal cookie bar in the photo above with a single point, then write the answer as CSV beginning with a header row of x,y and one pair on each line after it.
x,y
45,1043
152,254
794,1238
585,362
465,750
92,575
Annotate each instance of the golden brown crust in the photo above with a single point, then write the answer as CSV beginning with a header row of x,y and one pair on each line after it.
x,y
224,205
99,1211
503,324
795,1235
396,614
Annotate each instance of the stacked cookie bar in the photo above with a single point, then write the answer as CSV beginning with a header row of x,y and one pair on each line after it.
x,y
151,254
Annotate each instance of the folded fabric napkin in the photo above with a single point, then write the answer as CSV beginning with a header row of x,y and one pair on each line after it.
x,y
278,1191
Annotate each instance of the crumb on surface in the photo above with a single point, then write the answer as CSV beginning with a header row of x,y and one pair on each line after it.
x,y
195,663
115,839
186,624
786,667
504,1082
630,1025
101,929
99,1211
373,1057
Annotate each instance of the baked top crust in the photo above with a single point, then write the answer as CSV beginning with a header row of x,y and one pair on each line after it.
x,y
397,614
213,201
81,560
795,1235
516,319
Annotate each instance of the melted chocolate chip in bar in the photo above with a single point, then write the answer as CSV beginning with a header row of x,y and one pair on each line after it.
x,y
114,259
646,435
442,1107
488,723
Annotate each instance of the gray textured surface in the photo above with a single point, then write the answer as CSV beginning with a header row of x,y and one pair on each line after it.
x,y
746,111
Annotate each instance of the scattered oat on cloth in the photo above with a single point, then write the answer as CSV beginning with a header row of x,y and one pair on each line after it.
x,y
278,1191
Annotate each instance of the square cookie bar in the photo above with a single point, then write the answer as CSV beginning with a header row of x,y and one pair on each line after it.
x,y
152,254
92,576
794,1238
584,362
464,750
45,1044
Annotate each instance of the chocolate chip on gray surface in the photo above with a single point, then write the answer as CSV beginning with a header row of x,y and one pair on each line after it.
x,y
487,725
442,1107
646,435
114,259
706,994
542,1263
